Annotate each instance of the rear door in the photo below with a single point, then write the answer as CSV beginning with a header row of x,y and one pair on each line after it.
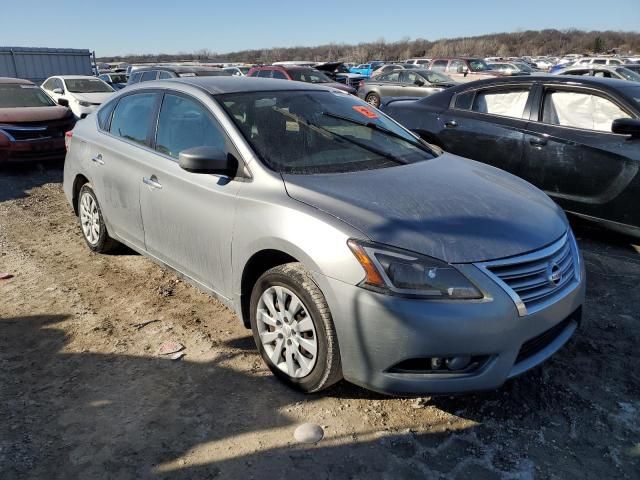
x,y
188,216
571,153
119,162
488,125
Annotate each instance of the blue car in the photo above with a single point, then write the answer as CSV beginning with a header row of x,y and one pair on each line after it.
x,y
366,69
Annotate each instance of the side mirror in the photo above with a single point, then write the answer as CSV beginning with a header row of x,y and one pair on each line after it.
x,y
626,126
63,102
208,160
58,91
419,82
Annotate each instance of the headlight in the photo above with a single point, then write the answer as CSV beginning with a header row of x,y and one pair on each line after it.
x,y
395,271
82,103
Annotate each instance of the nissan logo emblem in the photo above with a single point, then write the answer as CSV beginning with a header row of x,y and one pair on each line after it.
x,y
553,274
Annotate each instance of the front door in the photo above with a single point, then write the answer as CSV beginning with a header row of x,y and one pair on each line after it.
x,y
188,217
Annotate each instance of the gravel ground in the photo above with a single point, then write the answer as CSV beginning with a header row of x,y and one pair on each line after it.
x,y
84,393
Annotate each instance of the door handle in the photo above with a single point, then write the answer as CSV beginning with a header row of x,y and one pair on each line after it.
x,y
538,142
451,124
152,182
98,159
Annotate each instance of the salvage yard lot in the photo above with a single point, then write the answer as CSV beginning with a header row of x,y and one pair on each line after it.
x,y
83,392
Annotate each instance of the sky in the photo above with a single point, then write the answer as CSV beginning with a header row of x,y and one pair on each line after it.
x,y
117,27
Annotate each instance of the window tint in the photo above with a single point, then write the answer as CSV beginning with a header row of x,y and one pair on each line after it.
x,y
185,123
391,77
439,65
135,77
580,110
149,75
132,117
164,74
463,100
600,62
278,74
410,77
264,73
104,114
508,103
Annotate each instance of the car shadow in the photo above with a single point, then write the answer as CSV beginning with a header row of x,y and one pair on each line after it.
x,y
16,179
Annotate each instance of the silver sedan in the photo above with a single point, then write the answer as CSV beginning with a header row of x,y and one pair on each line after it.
x,y
350,248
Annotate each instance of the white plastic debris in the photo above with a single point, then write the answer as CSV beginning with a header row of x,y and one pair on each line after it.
x,y
167,348
308,433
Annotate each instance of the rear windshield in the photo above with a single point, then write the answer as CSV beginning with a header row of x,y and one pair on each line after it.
x,y
308,132
16,96
87,85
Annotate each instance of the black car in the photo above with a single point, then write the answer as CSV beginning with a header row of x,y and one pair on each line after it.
x,y
576,138
160,72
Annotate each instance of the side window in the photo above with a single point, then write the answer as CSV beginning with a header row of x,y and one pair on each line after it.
x,y
585,73
149,75
57,83
439,65
603,74
135,77
132,117
505,102
48,85
391,77
185,123
580,110
164,74
278,74
408,77
600,61
104,115
456,66
464,100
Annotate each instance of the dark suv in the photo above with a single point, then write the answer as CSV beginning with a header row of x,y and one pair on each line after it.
x,y
161,72
299,74
463,69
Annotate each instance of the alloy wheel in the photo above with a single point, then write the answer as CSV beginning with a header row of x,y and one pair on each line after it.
x,y
90,218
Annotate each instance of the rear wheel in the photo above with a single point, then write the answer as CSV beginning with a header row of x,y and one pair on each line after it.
x,y
373,99
94,229
293,328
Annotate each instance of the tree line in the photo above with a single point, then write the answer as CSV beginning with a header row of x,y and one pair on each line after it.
x,y
530,42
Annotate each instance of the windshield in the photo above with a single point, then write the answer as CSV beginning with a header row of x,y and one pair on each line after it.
x,y
628,74
477,65
87,85
307,132
16,96
435,77
309,75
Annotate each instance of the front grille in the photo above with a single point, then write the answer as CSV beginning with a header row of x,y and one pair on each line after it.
x,y
533,280
38,130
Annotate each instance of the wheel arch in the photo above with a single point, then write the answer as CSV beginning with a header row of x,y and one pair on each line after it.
x,y
78,182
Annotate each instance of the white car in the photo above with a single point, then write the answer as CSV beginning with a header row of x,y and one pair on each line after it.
x,y
240,71
597,61
81,93
418,61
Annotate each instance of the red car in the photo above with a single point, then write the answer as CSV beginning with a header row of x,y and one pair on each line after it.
x,y
32,126
299,74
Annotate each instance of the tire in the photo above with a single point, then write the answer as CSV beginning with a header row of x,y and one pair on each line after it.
x,y
94,230
279,283
373,99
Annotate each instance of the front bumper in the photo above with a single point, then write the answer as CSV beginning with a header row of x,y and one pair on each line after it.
x,y
377,332
32,150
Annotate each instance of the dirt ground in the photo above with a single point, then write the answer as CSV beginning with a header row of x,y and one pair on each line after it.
x,y
84,393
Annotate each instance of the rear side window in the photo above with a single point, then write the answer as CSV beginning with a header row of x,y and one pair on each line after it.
x,y
504,102
464,100
580,110
264,73
135,77
104,115
439,65
278,74
164,74
132,117
184,123
149,75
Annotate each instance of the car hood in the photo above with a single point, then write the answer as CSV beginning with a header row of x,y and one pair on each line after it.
x,y
99,97
449,208
32,114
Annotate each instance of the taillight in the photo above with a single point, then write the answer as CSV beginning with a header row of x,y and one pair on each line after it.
x,y
67,139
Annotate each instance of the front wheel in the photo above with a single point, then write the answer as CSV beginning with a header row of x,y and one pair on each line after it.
x,y
293,329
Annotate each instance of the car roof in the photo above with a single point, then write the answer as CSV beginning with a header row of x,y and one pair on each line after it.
x,y
229,84
177,68
15,81
613,83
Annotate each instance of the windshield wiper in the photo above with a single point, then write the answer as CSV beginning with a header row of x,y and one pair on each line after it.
x,y
375,126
